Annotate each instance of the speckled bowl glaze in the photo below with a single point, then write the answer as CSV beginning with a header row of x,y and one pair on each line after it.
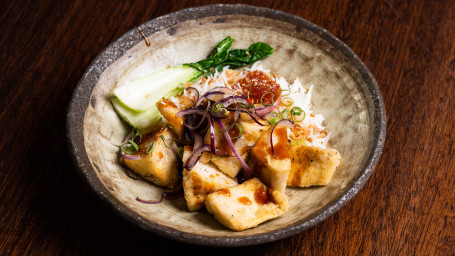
x,y
345,92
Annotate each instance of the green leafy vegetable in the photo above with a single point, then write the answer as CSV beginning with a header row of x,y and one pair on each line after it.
x,y
222,56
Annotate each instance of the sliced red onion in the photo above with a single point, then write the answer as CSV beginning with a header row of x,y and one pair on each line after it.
x,y
212,136
191,162
231,145
175,148
194,89
127,137
192,111
283,122
211,96
166,195
251,115
236,117
262,111
198,141
130,157
150,201
206,115
222,89
234,99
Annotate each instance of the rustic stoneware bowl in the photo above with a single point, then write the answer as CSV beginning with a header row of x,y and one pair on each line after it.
x,y
345,92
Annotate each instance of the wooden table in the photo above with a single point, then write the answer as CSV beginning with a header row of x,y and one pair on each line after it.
x,y
407,207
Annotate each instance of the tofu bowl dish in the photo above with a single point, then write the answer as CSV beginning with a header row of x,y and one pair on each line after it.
x,y
226,125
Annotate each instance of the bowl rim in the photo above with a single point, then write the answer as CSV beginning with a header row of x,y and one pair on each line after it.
x,y
81,99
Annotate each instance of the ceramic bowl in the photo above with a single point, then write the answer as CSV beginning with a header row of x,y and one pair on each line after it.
x,y
345,92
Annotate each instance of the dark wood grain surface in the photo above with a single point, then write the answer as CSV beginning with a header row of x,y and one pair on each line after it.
x,y
406,208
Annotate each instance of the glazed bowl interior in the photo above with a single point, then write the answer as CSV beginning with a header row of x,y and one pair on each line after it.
x,y
344,92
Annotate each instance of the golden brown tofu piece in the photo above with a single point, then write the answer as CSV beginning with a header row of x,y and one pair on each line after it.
x,y
312,166
162,165
251,132
273,170
247,205
201,180
169,111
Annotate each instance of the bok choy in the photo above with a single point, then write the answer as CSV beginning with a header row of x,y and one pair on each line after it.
x,y
136,102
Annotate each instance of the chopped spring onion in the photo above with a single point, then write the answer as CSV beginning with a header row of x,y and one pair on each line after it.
x,y
240,133
211,158
287,114
275,117
274,121
136,133
164,141
296,111
295,143
285,103
129,147
273,96
288,92
149,151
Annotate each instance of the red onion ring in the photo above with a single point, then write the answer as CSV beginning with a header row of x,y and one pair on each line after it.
x,y
192,160
197,92
283,122
130,157
198,141
234,99
192,111
150,201
167,194
222,89
212,136
205,115
231,145
207,95
251,115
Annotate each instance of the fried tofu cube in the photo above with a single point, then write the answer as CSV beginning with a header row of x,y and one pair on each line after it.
x,y
274,169
312,166
201,180
247,205
169,111
162,165
251,132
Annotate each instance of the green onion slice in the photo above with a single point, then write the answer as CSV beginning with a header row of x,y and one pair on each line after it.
x,y
149,151
287,114
240,129
297,142
211,158
129,147
274,120
297,111
164,141
246,106
287,104
136,133
288,92
273,96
